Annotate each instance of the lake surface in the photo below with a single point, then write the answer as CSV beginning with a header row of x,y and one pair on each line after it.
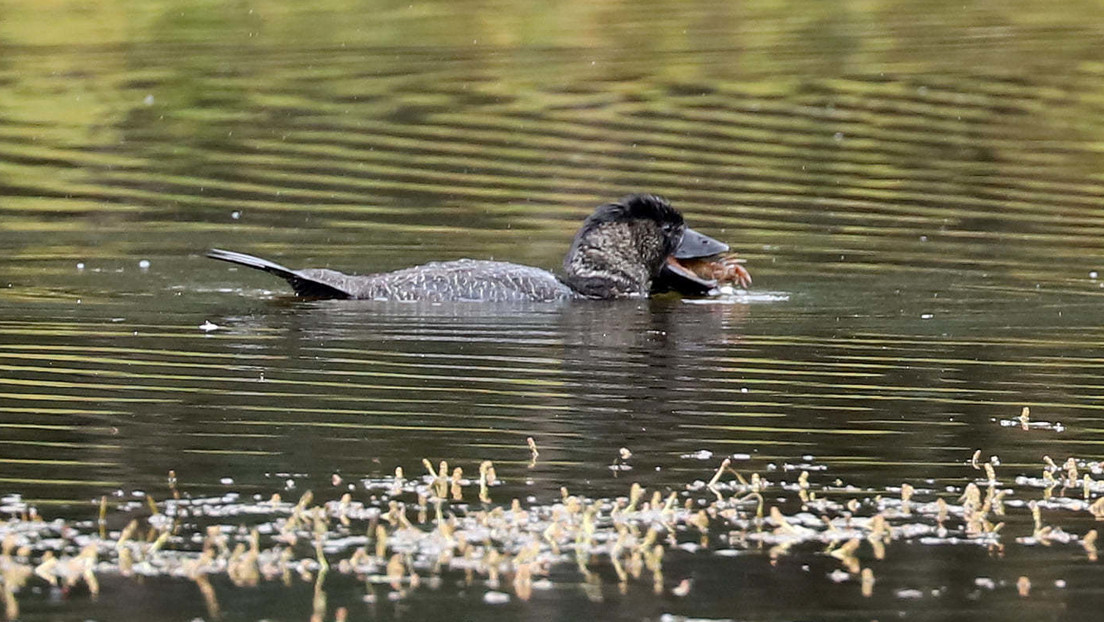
x,y
916,188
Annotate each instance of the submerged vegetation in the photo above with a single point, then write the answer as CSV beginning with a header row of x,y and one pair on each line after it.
x,y
400,534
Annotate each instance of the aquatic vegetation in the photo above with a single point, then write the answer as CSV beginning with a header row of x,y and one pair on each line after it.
x,y
401,534
1024,421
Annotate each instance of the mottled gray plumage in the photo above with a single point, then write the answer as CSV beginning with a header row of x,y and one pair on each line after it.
x,y
464,279
618,252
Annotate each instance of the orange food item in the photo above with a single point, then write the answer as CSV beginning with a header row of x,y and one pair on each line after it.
x,y
724,269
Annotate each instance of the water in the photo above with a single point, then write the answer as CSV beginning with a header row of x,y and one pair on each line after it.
x,y
915,189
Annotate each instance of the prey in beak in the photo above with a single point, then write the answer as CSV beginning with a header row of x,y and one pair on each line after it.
x,y
698,265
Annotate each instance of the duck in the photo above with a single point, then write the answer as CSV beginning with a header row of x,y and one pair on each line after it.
x,y
630,248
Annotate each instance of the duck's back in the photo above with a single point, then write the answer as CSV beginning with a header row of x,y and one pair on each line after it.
x,y
461,280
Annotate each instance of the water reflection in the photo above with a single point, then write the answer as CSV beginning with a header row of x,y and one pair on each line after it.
x,y
589,376
920,179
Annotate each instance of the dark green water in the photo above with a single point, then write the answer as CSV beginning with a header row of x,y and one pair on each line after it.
x,y
916,188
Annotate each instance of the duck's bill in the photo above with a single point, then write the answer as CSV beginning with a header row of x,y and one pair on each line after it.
x,y
678,272
680,277
695,245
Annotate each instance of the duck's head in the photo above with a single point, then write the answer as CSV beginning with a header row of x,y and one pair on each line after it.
x,y
623,247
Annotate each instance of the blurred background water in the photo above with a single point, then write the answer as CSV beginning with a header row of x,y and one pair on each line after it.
x,y
916,187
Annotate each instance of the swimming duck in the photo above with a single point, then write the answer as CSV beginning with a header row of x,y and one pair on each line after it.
x,y
628,248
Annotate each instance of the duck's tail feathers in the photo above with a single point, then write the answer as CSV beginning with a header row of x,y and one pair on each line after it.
x,y
303,284
253,262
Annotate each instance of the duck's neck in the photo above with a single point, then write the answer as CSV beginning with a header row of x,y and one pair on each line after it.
x,y
609,262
